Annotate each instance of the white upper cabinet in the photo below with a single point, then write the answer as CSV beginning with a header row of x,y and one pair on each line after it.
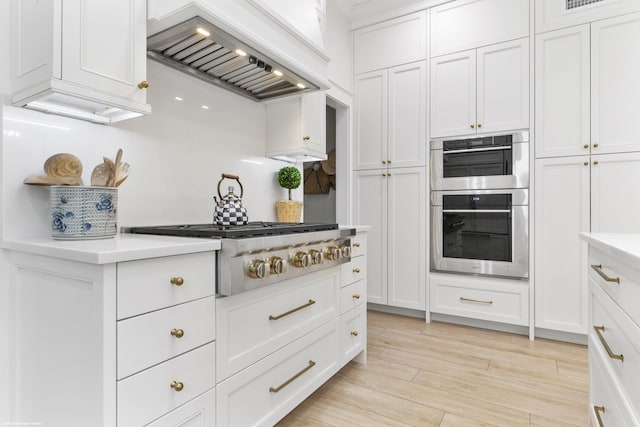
x,y
69,59
370,119
393,42
562,104
481,90
466,24
555,14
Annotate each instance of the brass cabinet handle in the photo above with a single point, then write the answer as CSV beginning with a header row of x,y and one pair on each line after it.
x,y
475,300
356,296
356,244
178,281
280,316
354,333
143,84
177,385
293,378
389,161
473,126
597,410
384,162
306,138
586,163
598,269
595,146
611,354
178,333
586,146
595,162
356,270
479,125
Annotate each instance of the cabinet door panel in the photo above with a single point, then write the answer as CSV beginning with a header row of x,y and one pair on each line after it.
x,y
407,259
503,86
561,212
615,86
407,117
453,94
370,119
562,103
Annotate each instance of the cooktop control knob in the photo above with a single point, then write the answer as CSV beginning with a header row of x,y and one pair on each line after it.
x,y
258,269
346,250
332,253
302,260
316,257
277,265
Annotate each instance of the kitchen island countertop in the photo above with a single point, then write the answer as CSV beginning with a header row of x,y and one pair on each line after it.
x,y
623,246
123,247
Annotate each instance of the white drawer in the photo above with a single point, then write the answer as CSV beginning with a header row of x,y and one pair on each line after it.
x,y
149,394
626,293
249,398
199,412
152,338
146,285
497,300
254,324
358,245
621,335
353,271
352,296
605,394
353,333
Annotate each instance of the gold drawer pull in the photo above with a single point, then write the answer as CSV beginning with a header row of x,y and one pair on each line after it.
x,y
597,410
177,385
356,296
611,354
178,333
356,244
306,138
178,281
354,333
475,300
293,378
143,84
356,270
598,269
280,316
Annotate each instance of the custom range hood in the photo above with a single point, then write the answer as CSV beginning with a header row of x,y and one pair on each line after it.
x,y
201,49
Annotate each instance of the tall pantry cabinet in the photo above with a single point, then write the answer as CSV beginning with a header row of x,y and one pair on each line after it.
x,y
390,157
587,149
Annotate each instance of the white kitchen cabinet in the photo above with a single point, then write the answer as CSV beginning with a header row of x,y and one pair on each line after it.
x,y
390,117
389,43
554,14
466,24
481,90
296,127
67,59
393,202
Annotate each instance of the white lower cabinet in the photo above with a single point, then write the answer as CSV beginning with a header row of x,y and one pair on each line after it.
x,y
199,412
353,333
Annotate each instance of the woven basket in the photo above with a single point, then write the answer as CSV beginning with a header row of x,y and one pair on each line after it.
x,y
288,210
79,212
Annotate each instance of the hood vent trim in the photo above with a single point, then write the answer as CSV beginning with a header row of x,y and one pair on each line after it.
x,y
214,59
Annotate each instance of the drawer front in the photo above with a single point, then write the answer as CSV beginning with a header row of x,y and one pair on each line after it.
x,y
482,298
263,393
352,296
146,285
353,271
152,338
358,245
621,335
199,412
353,333
254,324
623,285
148,395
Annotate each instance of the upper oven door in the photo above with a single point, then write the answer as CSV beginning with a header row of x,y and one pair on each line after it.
x,y
487,162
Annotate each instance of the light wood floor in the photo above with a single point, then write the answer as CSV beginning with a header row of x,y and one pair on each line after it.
x,y
440,374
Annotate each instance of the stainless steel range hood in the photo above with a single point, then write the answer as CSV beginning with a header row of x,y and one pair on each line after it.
x,y
202,50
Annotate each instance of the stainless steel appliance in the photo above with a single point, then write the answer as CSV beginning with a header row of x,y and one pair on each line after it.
x,y
482,232
481,162
259,254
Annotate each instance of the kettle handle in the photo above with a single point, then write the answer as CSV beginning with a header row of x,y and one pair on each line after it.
x,y
229,176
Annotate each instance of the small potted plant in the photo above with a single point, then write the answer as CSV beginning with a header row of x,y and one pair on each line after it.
x,y
289,210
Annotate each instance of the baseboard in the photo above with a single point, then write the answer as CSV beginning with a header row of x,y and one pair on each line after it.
x,y
482,324
561,336
397,310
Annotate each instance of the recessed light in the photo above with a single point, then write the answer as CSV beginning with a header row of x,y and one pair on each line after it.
x,y
277,73
301,86
203,31
205,107
177,98
241,52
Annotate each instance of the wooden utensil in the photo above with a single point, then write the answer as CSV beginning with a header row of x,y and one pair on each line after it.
x,y
122,174
40,180
116,169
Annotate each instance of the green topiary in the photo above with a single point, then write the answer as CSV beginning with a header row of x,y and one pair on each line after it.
x,y
289,177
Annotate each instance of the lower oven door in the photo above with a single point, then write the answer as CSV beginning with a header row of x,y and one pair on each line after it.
x,y
484,232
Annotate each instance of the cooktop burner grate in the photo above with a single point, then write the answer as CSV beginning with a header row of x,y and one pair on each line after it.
x,y
252,229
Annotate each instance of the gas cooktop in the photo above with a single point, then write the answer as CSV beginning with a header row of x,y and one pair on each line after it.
x,y
252,229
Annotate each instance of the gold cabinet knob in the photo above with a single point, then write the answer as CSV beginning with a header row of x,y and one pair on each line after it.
x,y
479,125
354,333
586,146
384,162
177,385
178,333
356,270
586,163
178,281
143,84
595,145
595,162
356,296
306,138
389,161
473,126
356,244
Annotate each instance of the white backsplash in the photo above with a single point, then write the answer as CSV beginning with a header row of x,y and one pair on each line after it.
x,y
177,156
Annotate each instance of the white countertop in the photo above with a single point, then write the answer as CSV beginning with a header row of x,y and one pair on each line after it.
x,y
359,228
623,246
123,247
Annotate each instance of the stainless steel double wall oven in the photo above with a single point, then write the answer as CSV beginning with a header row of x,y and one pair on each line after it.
x,y
480,205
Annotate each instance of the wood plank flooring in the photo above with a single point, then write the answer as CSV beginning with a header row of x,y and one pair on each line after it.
x,y
446,375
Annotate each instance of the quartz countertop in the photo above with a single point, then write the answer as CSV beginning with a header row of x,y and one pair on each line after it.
x,y
123,247
358,228
623,246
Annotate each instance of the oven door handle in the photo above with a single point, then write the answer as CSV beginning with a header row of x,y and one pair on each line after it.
x,y
475,150
476,210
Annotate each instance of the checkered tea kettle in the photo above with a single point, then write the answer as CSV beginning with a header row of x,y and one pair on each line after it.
x,y
229,210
